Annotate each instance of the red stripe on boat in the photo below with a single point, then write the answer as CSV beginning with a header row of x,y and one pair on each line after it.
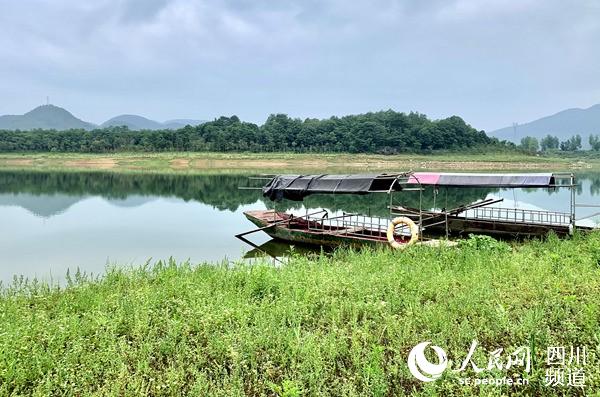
x,y
424,178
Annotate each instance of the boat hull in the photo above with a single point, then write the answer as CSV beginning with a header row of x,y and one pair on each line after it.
x,y
297,231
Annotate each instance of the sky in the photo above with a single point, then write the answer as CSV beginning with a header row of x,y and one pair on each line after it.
x,y
491,62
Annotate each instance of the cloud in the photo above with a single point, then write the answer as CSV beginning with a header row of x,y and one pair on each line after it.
x,y
140,10
474,9
492,61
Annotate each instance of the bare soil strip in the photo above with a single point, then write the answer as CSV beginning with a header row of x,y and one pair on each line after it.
x,y
100,163
184,163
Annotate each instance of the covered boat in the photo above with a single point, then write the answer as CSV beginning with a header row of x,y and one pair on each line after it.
x,y
323,228
484,216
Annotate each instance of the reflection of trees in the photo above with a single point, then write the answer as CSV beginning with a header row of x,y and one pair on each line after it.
x,y
221,191
377,204
594,178
549,191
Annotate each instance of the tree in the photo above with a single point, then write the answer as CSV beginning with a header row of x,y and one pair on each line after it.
x,y
529,144
572,144
549,142
595,142
375,132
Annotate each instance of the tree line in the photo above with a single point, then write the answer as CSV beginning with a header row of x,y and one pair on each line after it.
x,y
552,143
384,132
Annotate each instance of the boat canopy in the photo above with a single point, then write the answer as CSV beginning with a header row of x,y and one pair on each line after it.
x,y
483,180
296,187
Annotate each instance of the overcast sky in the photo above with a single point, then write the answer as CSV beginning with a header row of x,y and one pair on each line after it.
x,y
490,62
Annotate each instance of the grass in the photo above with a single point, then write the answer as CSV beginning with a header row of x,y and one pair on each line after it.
x,y
201,162
338,325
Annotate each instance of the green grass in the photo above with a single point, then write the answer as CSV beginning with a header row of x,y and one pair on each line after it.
x,y
339,325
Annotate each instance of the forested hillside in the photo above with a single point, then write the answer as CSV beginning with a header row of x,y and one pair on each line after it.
x,y
380,132
45,116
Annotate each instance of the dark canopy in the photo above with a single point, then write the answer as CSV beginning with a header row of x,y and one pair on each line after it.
x,y
296,187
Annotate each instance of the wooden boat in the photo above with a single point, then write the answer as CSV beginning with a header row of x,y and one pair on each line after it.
x,y
329,232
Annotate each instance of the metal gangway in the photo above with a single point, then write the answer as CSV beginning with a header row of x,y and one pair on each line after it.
x,y
518,215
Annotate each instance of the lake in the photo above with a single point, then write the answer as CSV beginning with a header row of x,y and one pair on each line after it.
x,y
55,221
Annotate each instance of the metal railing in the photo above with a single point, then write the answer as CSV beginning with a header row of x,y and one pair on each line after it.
x,y
518,215
347,224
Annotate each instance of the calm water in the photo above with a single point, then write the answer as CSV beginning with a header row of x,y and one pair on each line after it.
x,y
51,222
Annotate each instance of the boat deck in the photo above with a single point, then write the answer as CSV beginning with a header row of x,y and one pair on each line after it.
x,y
268,216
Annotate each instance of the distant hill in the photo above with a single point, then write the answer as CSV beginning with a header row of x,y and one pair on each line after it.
x,y
134,122
180,123
44,117
562,124
48,205
42,205
50,117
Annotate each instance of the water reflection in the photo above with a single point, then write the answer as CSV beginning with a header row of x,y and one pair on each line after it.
x,y
59,220
50,194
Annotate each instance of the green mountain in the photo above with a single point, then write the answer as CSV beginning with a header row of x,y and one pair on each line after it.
x,y
563,124
44,117
134,122
50,117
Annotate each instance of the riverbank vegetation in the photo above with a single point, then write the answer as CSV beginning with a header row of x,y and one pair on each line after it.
x,y
386,132
327,325
551,143
194,162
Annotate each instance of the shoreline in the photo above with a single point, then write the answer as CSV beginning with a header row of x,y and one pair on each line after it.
x,y
188,162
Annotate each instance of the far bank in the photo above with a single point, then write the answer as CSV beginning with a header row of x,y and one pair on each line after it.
x,y
202,162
